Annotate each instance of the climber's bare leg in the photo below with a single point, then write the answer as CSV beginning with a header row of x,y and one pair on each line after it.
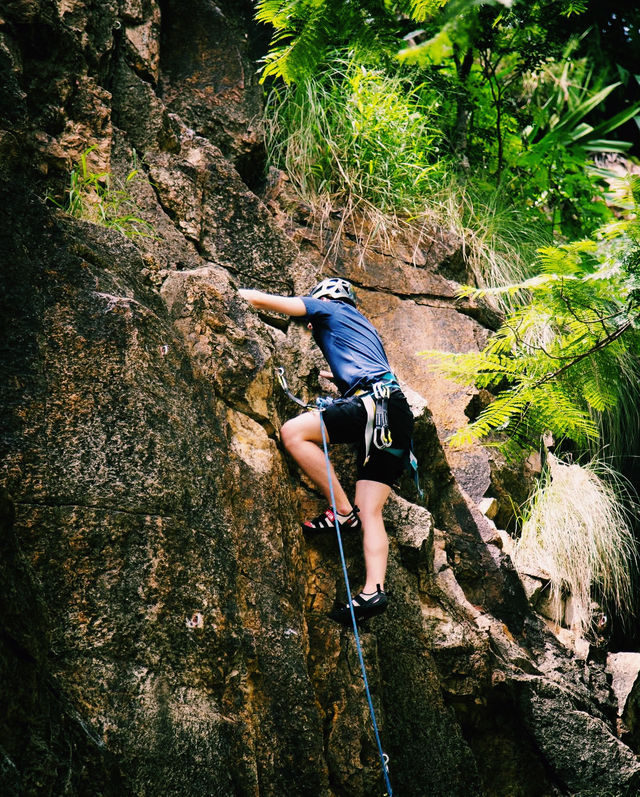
x,y
302,437
371,497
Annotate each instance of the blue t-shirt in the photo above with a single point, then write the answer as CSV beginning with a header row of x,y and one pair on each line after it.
x,y
350,343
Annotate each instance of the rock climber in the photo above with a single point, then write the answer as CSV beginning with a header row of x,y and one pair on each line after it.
x,y
360,369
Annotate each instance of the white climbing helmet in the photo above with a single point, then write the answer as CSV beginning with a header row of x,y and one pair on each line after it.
x,y
335,288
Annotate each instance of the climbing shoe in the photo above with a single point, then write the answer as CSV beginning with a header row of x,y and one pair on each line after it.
x,y
365,605
326,522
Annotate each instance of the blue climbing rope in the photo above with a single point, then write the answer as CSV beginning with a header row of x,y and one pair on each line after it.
x,y
381,753
320,404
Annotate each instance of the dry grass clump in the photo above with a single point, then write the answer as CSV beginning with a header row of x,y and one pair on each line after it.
x,y
501,243
577,531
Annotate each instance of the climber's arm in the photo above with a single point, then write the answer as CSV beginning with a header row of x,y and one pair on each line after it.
x,y
289,305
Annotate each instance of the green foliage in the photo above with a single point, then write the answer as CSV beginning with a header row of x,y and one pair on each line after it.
x,y
302,31
520,113
305,30
360,139
421,10
560,143
523,109
355,136
501,240
574,7
566,358
96,198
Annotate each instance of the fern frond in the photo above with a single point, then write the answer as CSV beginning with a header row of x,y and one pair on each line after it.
x,y
421,10
559,410
497,416
276,12
480,367
303,30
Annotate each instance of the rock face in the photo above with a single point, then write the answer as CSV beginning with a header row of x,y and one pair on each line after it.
x,y
164,624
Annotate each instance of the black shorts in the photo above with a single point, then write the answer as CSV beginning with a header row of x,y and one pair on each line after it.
x,y
346,419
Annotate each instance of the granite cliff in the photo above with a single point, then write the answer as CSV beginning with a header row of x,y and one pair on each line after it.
x,y
163,624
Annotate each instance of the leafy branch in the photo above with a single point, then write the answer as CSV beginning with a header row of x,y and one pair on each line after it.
x,y
561,372
599,346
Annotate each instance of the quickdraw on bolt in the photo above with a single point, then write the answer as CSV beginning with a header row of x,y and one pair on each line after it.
x,y
285,387
321,403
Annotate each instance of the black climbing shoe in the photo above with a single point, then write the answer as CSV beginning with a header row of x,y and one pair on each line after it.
x,y
325,522
363,607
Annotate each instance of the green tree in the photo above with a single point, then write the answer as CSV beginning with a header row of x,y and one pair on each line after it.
x,y
565,359
510,116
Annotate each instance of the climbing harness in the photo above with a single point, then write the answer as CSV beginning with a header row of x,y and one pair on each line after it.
x,y
384,758
375,398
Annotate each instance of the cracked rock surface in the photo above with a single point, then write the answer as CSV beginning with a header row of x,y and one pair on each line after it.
x,y
163,620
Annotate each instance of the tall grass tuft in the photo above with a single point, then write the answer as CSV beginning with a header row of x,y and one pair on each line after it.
x,y
577,531
501,241
366,146
357,140
355,132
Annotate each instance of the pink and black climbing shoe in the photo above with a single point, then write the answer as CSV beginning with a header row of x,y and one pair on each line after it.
x,y
365,605
326,522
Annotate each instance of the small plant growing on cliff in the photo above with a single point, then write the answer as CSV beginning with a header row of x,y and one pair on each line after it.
x,y
577,530
98,198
